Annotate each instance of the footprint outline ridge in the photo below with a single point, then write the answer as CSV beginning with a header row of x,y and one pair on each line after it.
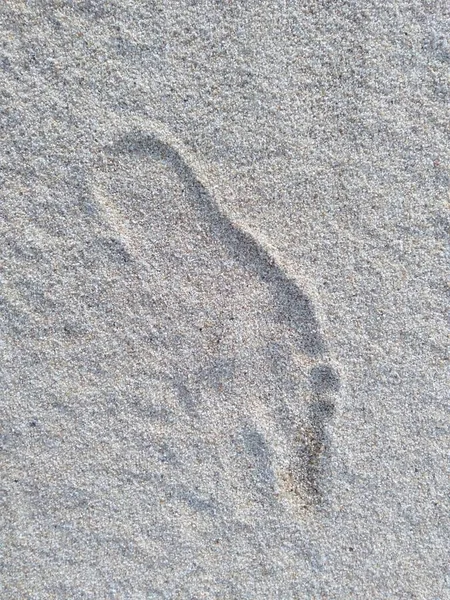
x,y
149,138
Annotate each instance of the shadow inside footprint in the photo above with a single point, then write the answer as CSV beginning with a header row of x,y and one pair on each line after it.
x,y
324,379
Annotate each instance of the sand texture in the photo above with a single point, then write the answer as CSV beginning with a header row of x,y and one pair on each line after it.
x,y
224,290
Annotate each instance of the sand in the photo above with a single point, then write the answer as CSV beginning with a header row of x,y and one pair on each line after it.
x,y
224,285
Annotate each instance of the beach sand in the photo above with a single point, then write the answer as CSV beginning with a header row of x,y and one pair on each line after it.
x,y
224,285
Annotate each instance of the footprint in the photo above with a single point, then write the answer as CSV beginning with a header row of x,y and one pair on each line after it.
x,y
232,334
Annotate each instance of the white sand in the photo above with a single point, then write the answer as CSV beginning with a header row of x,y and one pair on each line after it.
x,y
224,254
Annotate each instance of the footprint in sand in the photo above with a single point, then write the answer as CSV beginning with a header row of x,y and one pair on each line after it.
x,y
233,339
